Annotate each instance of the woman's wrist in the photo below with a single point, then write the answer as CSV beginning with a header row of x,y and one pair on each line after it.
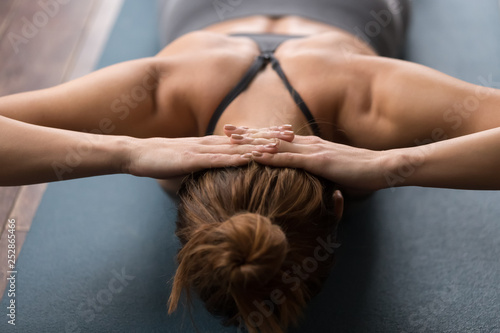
x,y
121,149
406,166
394,167
93,155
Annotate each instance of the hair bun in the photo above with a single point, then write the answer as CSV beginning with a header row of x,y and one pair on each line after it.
x,y
253,249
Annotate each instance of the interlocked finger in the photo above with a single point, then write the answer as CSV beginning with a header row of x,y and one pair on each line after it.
x,y
230,130
236,139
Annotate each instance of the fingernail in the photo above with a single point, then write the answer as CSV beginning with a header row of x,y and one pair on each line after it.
x,y
230,127
237,137
288,133
257,154
247,155
288,126
271,145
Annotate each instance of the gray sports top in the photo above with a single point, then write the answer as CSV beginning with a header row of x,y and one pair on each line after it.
x,y
381,23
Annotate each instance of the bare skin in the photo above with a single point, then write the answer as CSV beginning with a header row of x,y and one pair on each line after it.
x,y
466,162
358,98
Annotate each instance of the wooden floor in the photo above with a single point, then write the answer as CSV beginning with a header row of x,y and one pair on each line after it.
x,y
39,48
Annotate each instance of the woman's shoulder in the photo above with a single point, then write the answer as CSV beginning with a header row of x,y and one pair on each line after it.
x,y
198,69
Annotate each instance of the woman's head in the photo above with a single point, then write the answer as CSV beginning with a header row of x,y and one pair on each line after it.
x,y
251,243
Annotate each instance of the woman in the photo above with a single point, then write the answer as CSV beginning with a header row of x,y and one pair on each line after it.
x,y
249,234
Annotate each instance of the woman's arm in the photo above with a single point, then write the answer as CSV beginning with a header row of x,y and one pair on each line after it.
x,y
468,162
407,104
31,154
120,100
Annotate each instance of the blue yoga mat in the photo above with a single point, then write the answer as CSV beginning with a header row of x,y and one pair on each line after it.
x,y
100,252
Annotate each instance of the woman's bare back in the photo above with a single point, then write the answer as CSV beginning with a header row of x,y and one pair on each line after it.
x,y
209,63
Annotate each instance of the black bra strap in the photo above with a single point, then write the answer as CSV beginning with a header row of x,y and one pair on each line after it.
x,y
261,61
240,87
296,96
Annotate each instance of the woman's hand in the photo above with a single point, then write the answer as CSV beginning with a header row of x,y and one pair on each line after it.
x,y
352,168
167,158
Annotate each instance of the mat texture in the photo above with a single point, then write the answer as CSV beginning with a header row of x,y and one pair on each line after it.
x,y
101,251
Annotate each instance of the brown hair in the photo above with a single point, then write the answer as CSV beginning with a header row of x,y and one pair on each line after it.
x,y
244,231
